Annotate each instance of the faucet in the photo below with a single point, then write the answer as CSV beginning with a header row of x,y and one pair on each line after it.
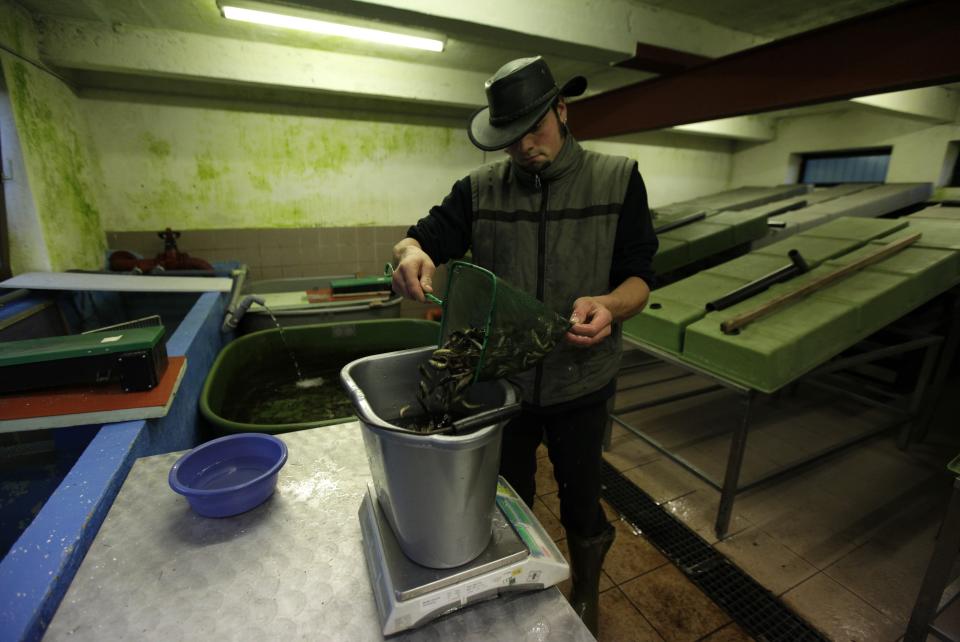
x,y
236,312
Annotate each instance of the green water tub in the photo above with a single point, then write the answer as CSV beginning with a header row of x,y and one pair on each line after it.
x,y
243,361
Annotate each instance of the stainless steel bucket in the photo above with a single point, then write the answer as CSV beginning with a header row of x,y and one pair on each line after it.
x,y
438,492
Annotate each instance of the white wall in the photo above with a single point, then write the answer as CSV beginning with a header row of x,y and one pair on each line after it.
x,y
919,147
675,167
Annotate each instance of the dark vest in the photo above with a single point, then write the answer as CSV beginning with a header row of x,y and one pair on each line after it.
x,y
552,235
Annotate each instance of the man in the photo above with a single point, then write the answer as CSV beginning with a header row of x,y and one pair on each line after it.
x,y
573,228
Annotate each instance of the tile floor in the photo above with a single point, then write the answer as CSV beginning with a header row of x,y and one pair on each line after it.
x,y
844,542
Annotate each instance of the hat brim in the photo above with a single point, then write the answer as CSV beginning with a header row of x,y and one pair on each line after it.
x,y
574,87
490,139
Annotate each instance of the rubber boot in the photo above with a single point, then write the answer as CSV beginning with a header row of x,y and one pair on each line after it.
x,y
586,561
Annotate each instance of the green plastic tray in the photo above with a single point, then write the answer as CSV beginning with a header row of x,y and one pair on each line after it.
x,y
776,349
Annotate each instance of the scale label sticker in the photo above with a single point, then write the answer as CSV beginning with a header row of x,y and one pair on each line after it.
x,y
435,601
111,339
511,578
473,587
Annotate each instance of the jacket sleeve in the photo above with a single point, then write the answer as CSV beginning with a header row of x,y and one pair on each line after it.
x,y
445,232
635,242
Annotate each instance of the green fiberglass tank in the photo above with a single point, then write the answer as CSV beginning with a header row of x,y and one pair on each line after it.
x,y
253,384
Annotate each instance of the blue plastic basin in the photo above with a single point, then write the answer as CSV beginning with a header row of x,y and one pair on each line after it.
x,y
229,475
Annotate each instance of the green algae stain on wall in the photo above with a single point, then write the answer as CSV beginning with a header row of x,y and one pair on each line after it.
x,y
156,147
61,173
229,168
15,25
259,182
207,169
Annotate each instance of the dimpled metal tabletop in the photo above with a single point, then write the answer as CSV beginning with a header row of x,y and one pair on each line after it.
x,y
291,568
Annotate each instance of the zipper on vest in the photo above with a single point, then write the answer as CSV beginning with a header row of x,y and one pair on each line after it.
x,y
541,266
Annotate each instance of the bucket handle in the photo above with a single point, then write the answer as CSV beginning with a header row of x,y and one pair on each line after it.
x,y
485,418
472,422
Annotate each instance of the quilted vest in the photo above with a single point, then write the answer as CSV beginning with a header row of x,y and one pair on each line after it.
x,y
552,235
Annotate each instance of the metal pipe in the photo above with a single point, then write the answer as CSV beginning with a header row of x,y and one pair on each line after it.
x,y
680,222
232,318
797,267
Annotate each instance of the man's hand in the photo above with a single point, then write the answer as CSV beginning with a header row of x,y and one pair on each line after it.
x,y
592,315
414,272
591,322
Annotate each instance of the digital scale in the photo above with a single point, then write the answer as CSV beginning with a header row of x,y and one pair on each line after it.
x,y
520,557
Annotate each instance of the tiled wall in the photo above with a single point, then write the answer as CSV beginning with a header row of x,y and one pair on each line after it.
x,y
279,253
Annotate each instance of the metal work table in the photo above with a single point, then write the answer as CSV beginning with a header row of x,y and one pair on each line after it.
x,y
292,568
904,409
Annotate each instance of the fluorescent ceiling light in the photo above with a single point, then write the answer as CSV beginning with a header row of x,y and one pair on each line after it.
x,y
323,27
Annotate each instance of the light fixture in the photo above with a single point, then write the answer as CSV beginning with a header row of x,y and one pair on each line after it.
x,y
287,17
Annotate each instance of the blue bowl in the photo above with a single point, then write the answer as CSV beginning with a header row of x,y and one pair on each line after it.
x,y
229,475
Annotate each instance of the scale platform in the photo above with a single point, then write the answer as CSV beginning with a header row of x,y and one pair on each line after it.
x,y
520,557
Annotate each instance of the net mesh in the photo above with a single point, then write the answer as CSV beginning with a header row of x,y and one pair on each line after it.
x,y
511,330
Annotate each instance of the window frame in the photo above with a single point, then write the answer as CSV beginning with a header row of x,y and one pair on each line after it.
x,y
886,150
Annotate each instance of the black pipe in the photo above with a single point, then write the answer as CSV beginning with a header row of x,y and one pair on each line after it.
x,y
797,267
680,222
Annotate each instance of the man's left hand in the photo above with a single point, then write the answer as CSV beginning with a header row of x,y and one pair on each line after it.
x,y
591,322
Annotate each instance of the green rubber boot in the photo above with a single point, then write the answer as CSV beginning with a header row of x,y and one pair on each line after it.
x,y
586,562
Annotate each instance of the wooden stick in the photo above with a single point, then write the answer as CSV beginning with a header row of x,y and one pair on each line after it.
x,y
732,325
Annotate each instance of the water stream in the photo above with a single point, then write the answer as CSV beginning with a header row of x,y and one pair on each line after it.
x,y
272,398
283,338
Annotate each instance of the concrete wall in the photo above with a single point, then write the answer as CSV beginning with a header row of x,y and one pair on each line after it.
x,y
341,187
113,167
54,200
920,148
675,167
212,166
206,165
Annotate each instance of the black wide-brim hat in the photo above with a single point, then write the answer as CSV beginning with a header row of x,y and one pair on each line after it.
x,y
518,96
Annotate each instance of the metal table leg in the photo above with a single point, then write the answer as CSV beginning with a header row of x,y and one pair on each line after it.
x,y
918,396
938,571
738,444
947,354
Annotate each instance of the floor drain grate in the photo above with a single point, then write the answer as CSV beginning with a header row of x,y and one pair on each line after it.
x,y
753,607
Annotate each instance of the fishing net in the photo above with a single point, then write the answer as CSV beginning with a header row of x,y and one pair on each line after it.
x,y
490,330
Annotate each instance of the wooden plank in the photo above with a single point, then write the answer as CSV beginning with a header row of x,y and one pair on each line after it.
x,y
85,405
731,326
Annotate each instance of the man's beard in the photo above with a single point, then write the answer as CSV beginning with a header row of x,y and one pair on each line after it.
x,y
537,167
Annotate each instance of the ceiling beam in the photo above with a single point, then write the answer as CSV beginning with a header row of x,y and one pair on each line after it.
x,y
909,45
600,32
195,58
661,60
934,104
749,128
